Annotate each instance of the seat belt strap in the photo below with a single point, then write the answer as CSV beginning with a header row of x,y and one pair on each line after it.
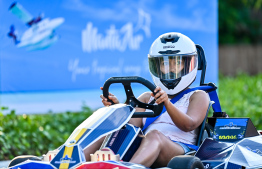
x,y
211,90
150,120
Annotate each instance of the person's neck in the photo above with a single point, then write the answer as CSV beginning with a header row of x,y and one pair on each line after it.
x,y
172,96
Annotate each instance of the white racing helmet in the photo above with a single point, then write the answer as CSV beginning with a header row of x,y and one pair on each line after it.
x,y
173,62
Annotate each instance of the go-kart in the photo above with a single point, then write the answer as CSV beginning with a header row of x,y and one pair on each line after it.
x,y
223,142
111,122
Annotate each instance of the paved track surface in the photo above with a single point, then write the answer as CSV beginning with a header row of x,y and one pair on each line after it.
x,y
4,164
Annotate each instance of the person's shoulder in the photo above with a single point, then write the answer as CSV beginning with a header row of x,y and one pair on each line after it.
x,y
198,94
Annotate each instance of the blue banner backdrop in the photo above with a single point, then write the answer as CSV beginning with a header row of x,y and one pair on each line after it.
x,y
73,46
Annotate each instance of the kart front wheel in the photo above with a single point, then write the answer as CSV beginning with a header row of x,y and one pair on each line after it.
x,y
20,159
185,162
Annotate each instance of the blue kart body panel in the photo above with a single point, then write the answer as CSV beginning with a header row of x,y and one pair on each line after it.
x,y
246,152
29,164
235,144
104,121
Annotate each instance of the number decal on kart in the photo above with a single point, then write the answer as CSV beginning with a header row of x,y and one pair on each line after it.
x,y
227,137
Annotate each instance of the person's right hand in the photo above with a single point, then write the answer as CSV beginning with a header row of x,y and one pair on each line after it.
x,y
110,96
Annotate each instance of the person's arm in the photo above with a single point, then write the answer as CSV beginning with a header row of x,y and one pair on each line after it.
x,y
143,98
139,121
196,112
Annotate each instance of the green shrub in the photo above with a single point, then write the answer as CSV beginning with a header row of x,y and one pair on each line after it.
x,y
241,96
36,134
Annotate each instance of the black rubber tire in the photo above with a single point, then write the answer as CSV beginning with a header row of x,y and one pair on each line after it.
x,y
185,162
20,159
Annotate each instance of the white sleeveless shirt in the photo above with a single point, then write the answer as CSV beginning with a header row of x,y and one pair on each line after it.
x,y
165,125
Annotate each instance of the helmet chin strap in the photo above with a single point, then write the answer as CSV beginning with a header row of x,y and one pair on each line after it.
x,y
170,84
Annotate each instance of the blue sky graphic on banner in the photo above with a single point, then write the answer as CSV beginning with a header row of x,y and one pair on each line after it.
x,y
73,46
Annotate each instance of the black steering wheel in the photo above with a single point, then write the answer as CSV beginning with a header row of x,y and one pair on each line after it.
x,y
131,99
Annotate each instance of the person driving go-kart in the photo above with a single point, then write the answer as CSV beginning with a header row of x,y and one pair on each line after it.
x,y
173,66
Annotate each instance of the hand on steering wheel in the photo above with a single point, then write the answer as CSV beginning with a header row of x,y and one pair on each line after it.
x,y
110,96
160,96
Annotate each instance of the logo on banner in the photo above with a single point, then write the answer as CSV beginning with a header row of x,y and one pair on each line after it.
x,y
117,39
100,70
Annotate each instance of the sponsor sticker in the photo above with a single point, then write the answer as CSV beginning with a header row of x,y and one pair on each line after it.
x,y
231,126
66,159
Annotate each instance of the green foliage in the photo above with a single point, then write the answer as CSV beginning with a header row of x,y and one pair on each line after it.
x,y
241,96
36,134
240,21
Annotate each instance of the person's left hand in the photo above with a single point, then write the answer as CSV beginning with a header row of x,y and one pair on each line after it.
x,y
110,96
160,96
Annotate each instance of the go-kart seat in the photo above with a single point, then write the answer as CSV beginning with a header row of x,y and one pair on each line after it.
x,y
201,128
210,88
